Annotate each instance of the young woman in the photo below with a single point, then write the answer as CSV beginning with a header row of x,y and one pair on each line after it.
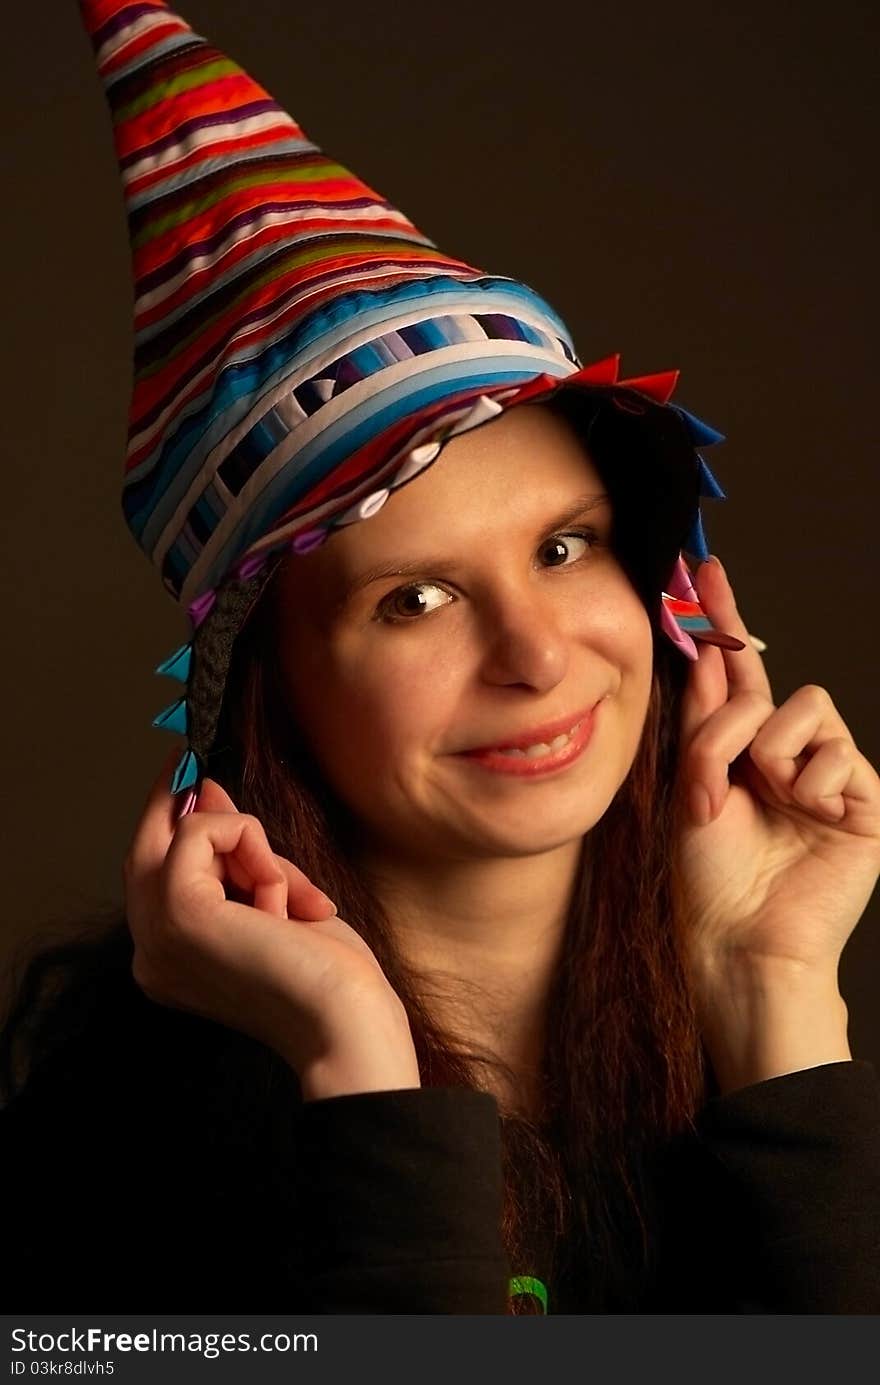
x,y
480,952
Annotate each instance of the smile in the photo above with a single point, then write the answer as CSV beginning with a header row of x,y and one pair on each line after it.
x,y
540,759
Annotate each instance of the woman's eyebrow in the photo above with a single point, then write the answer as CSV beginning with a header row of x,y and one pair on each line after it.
x,y
582,505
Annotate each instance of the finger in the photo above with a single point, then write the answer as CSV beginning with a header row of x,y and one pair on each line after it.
x,y
705,692
254,867
841,784
724,736
292,895
789,745
269,890
202,838
155,828
234,847
304,900
213,798
821,783
746,670
798,728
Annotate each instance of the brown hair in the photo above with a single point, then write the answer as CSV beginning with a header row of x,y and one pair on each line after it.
x,y
623,1070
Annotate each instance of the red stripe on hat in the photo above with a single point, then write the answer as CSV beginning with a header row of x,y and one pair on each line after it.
x,y
168,113
229,144
273,293
96,13
167,389
161,243
224,261
140,43
316,297
679,607
151,257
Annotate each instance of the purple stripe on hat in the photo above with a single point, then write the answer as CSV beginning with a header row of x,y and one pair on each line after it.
x,y
227,159
147,58
201,420
244,372
315,460
498,326
201,122
161,343
350,373
183,378
262,252
159,349
123,20
183,54
184,258
219,178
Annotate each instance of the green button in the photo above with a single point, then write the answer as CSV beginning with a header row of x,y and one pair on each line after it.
x,y
527,1284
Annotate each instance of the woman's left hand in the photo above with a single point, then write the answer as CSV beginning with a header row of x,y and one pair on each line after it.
x,y
783,868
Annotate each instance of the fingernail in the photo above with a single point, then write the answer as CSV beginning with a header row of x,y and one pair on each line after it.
x,y
701,805
716,562
329,903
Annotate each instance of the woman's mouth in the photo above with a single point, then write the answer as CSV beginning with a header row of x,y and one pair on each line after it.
x,y
539,759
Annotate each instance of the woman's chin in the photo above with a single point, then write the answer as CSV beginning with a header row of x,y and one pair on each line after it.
x,y
526,834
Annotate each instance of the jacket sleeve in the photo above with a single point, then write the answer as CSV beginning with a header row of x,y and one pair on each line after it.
x,y
162,1164
775,1207
401,1197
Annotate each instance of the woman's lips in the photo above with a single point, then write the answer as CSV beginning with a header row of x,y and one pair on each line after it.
x,y
537,734
542,764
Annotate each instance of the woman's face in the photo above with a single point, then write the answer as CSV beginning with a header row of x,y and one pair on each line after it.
x,y
506,619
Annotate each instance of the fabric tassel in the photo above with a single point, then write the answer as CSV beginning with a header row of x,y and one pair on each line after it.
x,y
178,665
200,608
671,627
709,487
696,539
702,434
174,718
186,773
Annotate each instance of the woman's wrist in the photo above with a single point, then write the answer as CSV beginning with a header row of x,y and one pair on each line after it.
x,y
777,1022
374,1053
349,1075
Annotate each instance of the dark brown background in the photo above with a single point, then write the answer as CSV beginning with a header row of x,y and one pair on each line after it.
x,y
688,183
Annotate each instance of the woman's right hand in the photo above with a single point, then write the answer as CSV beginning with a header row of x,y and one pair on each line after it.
x,y
284,969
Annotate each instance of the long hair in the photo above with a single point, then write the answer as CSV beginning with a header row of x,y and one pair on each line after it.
x,y
623,1070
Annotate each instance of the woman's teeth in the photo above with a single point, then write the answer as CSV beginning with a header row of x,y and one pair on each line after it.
x,y
534,752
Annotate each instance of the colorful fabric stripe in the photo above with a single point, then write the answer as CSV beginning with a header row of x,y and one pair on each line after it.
x,y
252,252
301,348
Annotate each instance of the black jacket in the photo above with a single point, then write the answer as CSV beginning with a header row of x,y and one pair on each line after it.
x,y
146,1168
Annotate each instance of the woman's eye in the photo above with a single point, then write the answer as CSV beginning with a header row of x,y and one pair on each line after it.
x,y
586,536
405,603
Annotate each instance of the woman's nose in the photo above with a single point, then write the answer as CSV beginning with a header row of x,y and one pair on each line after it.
x,y
524,642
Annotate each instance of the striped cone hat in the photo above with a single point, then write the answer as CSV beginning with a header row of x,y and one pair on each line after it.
x,y
301,349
